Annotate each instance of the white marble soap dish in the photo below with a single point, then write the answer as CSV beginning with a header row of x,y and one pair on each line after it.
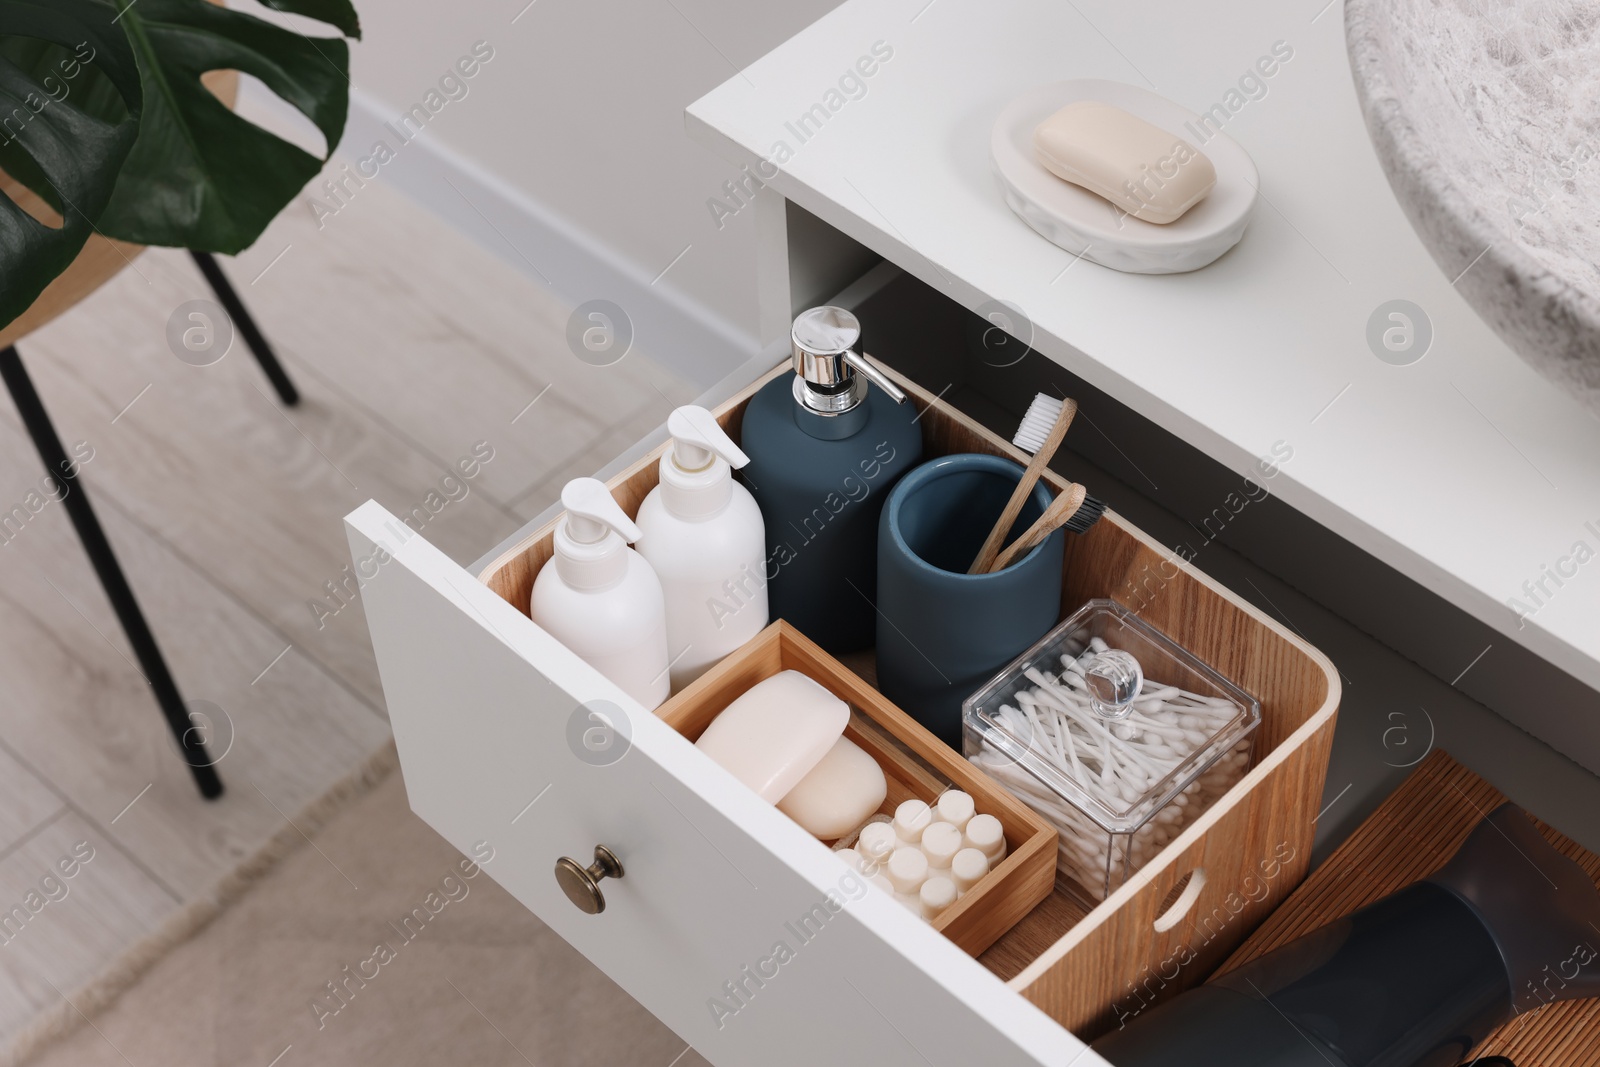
x,y
1088,225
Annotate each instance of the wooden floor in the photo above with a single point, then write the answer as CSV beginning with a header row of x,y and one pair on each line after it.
x,y
412,347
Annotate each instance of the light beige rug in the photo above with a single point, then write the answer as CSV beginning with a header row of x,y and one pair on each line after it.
x,y
482,982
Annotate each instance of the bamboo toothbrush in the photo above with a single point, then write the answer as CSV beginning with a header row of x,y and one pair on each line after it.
x,y
1033,436
1062,510
1044,412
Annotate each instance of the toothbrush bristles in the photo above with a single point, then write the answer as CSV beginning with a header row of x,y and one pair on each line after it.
x,y
1087,515
1037,423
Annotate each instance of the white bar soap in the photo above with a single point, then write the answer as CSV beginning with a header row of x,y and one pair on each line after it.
x,y
775,732
839,794
1151,174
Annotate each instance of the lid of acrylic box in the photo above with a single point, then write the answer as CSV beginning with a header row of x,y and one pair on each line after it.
x,y
994,714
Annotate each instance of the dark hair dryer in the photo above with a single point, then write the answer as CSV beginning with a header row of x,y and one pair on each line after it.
x,y
1417,979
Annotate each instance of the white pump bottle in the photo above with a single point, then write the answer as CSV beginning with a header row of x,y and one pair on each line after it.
x,y
600,598
704,536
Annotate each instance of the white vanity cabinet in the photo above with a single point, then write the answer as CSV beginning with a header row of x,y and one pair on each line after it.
x,y
496,721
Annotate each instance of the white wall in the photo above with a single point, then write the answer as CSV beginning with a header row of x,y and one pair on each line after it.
x,y
571,141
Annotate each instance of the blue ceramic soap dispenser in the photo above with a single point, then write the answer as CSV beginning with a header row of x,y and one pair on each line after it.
x,y
826,445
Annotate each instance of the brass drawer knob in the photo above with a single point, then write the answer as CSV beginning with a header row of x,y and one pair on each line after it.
x,y
582,884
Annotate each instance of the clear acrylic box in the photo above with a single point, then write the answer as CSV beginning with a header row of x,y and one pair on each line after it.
x,y
1173,762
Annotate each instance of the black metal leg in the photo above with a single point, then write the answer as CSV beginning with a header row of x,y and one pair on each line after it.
x,y
247,327
106,567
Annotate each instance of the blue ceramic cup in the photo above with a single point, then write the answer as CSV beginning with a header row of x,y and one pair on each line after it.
x,y
943,633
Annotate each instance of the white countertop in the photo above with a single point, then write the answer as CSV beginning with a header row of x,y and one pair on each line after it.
x,y
1465,470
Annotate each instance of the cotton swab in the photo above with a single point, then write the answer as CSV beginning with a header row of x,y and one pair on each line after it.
x,y
1116,762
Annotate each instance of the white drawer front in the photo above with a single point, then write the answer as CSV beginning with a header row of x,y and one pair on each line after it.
x,y
715,879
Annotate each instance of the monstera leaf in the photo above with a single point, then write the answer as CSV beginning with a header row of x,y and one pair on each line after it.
x,y
68,155
201,176
136,145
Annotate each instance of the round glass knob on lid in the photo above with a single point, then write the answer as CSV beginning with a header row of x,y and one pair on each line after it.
x,y
1114,679
582,884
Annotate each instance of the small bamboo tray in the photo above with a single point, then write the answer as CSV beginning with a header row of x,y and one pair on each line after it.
x,y
915,762
1409,837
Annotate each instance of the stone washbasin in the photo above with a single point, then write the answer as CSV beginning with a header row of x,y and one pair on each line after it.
x,y
1486,119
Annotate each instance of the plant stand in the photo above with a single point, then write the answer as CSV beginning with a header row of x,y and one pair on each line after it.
x,y
188,733
246,325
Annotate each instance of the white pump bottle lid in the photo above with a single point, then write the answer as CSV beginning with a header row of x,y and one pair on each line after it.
x,y
591,543
697,471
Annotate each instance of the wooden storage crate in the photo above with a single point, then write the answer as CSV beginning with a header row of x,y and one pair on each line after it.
x,y
923,768
1174,921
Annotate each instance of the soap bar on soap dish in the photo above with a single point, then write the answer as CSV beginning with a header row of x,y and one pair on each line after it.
x,y
775,732
840,793
1151,174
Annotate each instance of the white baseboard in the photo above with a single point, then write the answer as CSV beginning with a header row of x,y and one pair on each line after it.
x,y
673,329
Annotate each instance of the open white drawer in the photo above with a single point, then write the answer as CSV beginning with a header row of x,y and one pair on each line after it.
x,y
714,878
490,714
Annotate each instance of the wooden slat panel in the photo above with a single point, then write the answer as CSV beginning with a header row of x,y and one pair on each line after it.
x,y
1410,836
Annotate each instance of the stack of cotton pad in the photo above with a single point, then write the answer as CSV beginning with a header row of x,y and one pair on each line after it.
x,y
928,856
